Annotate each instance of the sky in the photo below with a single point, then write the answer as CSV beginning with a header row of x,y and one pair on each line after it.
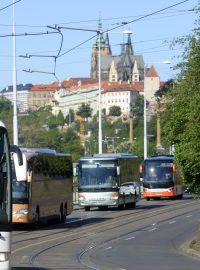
x,y
57,56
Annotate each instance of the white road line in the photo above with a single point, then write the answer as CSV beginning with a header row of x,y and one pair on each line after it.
x,y
108,248
172,222
188,216
130,238
153,229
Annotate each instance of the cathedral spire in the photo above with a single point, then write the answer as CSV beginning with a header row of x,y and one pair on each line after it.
x,y
129,47
102,41
107,45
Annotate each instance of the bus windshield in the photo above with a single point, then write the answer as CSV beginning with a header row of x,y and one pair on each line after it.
x,y
158,171
19,189
5,216
97,175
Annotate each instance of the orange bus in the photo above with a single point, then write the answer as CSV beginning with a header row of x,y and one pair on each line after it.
x,y
47,192
161,178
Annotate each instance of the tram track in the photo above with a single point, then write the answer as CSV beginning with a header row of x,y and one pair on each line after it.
x,y
98,231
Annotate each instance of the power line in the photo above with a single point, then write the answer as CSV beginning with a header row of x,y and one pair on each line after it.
x,y
125,23
174,13
1,9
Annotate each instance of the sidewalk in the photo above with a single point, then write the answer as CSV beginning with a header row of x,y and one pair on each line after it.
x,y
187,249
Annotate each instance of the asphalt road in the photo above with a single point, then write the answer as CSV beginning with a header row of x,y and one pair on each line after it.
x,y
148,237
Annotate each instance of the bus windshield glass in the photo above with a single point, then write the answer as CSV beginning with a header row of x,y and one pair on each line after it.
x,y
158,171
19,189
5,216
97,175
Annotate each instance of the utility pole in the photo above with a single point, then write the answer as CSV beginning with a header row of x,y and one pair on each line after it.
x,y
15,120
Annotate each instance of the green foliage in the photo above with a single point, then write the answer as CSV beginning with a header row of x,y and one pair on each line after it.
x,y
115,111
6,115
183,126
70,117
84,110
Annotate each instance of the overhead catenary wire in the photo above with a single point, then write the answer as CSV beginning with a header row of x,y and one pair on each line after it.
x,y
111,29
126,23
10,5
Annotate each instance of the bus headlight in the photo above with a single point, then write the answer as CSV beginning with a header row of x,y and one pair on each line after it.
x,y
4,256
81,198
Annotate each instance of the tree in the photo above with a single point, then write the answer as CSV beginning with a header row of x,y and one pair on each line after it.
x,y
183,126
84,110
60,119
70,117
115,111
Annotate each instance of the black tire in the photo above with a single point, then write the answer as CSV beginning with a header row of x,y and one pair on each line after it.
x,y
62,214
37,218
87,208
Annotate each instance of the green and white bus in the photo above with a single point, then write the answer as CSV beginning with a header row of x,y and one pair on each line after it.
x,y
108,180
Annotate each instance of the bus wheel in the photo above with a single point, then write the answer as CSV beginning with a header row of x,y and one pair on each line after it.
x,y
37,218
133,204
62,215
87,208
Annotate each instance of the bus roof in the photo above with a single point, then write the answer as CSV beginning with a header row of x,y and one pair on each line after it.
x,y
38,150
63,155
160,157
2,124
109,156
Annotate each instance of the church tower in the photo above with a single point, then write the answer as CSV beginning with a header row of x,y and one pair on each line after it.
x,y
105,50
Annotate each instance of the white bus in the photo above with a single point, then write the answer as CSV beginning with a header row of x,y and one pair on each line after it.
x,y
5,194
47,192
108,180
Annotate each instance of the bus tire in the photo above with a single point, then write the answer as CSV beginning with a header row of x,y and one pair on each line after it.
x,y
37,218
87,208
62,215
133,204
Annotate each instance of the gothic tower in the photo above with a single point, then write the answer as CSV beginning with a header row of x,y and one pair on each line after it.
x,y
105,50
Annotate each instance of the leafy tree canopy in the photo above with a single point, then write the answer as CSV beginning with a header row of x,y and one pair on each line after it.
x,y
183,125
115,111
84,110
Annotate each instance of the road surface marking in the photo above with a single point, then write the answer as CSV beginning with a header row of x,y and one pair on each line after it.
x,y
130,238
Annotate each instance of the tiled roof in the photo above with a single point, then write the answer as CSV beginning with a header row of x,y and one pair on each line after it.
x,y
69,82
122,86
152,72
111,86
45,87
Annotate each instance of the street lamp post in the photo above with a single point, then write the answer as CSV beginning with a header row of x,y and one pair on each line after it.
x,y
100,107
145,107
15,120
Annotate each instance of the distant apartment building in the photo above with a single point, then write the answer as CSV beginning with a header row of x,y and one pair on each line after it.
x,y
112,94
121,94
22,95
41,95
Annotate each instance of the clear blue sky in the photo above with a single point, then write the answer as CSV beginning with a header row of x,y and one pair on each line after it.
x,y
149,35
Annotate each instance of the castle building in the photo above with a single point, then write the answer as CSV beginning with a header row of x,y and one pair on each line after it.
x,y
125,67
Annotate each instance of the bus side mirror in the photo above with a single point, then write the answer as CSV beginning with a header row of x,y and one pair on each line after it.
x,y
75,171
118,170
174,168
29,176
20,167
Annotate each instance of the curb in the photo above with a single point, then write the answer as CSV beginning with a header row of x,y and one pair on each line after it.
x,y
187,250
